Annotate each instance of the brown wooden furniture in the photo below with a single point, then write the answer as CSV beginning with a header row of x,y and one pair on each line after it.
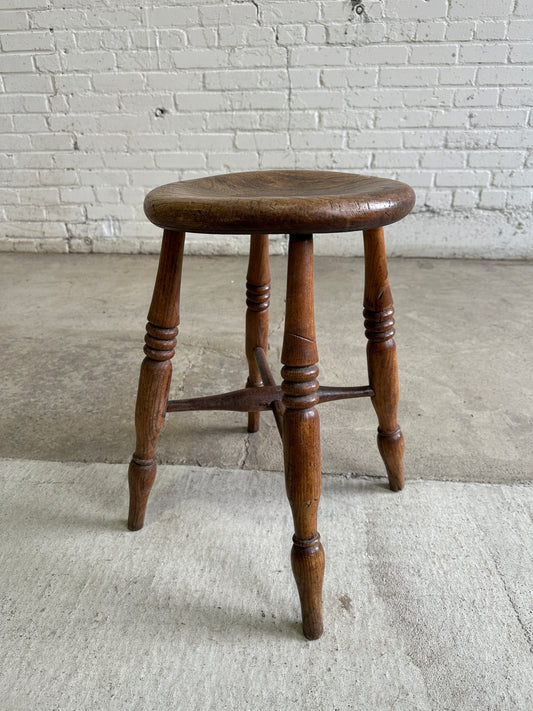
x,y
298,203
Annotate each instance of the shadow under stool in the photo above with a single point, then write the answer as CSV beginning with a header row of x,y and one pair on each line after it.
x,y
299,203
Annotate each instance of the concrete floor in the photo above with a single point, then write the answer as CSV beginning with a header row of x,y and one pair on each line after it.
x,y
427,595
72,336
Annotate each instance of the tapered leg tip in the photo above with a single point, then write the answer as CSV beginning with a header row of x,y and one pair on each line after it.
x,y
134,527
313,633
253,421
396,484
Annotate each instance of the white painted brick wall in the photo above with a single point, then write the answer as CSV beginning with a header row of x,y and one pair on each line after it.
x,y
100,102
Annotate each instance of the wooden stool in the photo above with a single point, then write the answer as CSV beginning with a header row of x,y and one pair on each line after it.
x,y
298,203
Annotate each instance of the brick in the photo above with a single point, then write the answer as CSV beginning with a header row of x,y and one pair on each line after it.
x,y
357,34
501,117
417,9
315,34
97,177
457,75
306,78
423,139
451,118
14,142
48,63
199,58
517,96
27,4
258,141
287,35
465,199
494,8
54,178
318,99
13,20
28,83
123,81
374,139
203,101
524,8
51,142
94,142
476,97
432,31
189,80
251,57
522,53
225,14
462,178
434,54
515,139
242,36
34,41
20,103
226,120
408,76
438,199
443,159
463,30
173,16
16,63
520,199
179,161
492,199
349,77
94,103
172,39
245,79
354,118
317,140
471,140
208,142
500,76
496,159
274,12
510,178
491,29
318,56
97,61
396,159
201,36
334,11
472,53
388,54
403,119
520,29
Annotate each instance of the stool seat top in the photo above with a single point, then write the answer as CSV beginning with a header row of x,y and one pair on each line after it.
x,y
279,202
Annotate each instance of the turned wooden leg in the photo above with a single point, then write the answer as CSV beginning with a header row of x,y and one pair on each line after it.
x,y
381,355
301,432
156,371
257,301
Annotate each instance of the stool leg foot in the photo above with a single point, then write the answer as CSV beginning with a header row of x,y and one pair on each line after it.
x,y
257,301
301,432
155,376
381,356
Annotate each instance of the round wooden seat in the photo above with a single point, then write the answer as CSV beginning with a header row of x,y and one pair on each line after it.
x,y
278,202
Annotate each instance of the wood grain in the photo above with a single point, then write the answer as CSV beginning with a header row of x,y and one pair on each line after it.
x,y
381,355
156,373
257,302
279,201
301,431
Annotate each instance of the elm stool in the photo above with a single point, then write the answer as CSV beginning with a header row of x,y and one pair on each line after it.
x,y
298,203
